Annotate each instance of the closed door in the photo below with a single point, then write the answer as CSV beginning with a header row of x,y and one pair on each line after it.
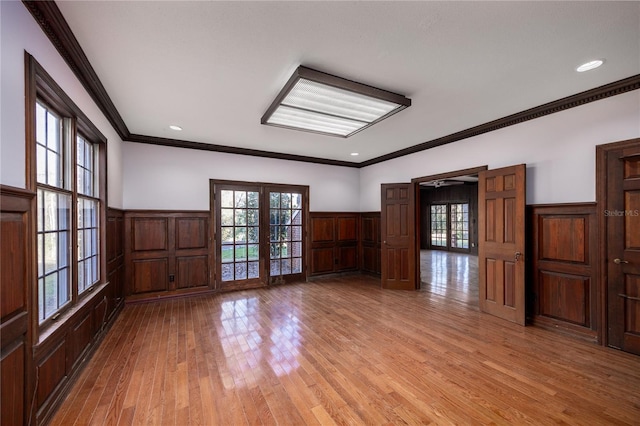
x,y
622,263
259,234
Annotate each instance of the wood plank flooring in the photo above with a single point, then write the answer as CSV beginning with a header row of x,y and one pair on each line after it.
x,y
343,351
450,274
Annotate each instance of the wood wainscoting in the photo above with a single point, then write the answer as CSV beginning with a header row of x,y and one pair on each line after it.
x,y
564,268
115,259
39,365
370,247
333,243
167,253
15,297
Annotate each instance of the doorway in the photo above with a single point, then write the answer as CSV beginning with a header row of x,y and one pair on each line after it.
x,y
448,235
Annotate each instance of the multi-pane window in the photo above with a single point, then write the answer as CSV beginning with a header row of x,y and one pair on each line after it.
x,y
285,233
54,213
459,218
240,234
450,225
439,225
88,214
58,190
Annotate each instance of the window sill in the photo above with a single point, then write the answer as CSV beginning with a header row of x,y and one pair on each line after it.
x,y
54,327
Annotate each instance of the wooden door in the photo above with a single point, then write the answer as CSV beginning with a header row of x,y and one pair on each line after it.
x,y
501,213
622,222
398,237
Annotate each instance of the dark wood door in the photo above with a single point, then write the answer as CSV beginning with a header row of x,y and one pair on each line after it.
x,y
398,237
622,216
501,235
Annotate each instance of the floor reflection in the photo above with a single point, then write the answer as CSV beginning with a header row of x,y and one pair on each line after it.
x,y
453,275
242,340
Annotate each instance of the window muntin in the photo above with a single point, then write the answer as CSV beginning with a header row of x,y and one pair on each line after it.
x,y
450,225
285,233
459,219
240,234
88,243
54,251
439,225
86,168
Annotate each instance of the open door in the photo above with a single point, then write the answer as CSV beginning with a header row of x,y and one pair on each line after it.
x,y
501,237
397,217
622,227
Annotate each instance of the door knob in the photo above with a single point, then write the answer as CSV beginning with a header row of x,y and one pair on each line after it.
x,y
619,261
518,254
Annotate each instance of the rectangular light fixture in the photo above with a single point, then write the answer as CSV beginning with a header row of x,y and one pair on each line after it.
x,y
317,102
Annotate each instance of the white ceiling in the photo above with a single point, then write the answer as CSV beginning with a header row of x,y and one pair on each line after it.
x,y
215,67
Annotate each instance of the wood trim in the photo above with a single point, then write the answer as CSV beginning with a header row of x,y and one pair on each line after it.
x,y
53,24
48,16
176,143
447,175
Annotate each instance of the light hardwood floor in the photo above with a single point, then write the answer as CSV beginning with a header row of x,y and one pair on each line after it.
x,y
450,274
343,351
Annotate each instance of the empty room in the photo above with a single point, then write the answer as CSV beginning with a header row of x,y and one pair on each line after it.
x,y
301,212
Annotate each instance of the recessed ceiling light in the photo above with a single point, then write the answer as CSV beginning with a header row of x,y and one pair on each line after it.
x,y
317,102
590,65
354,153
174,127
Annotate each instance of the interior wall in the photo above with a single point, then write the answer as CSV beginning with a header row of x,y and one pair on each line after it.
x,y
559,150
168,178
19,32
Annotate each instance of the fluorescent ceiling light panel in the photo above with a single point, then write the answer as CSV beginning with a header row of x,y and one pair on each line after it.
x,y
323,103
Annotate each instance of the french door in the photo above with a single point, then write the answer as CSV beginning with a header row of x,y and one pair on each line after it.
x,y
259,232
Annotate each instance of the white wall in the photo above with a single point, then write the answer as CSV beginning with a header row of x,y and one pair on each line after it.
x,y
20,32
559,151
159,177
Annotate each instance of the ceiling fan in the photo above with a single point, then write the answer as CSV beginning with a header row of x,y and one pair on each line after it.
x,y
443,182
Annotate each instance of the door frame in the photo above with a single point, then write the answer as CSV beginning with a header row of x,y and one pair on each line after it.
x,y
416,190
602,153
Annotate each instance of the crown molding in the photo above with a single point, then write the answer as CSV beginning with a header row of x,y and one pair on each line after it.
x,y
50,19
602,92
48,16
176,143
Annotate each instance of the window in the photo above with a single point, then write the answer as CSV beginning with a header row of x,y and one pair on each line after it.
x,y
450,226
459,218
439,225
66,173
285,233
259,233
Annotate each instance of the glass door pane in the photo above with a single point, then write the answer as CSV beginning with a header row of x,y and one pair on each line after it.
x,y
239,230
460,225
285,233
